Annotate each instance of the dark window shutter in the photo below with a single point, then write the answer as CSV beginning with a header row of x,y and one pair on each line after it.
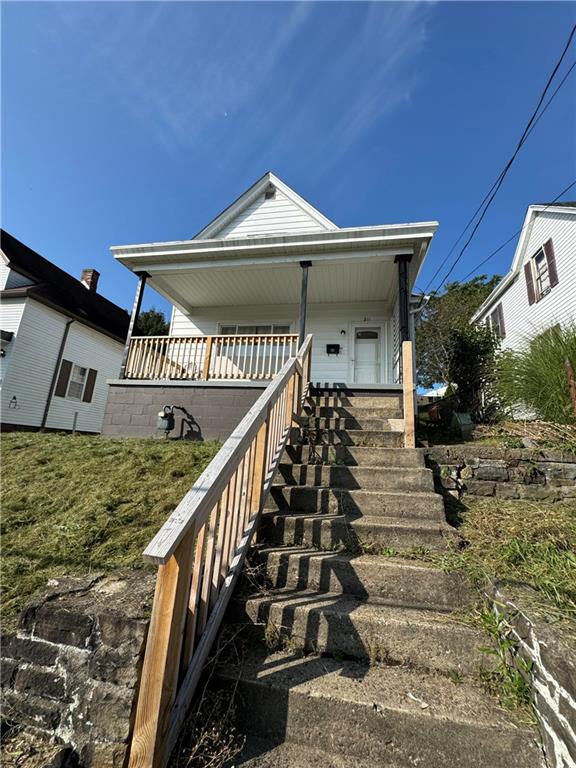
x,y
500,311
89,388
63,378
529,283
551,261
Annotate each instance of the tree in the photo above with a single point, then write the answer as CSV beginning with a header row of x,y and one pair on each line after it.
x,y
471,368
152,323
445,313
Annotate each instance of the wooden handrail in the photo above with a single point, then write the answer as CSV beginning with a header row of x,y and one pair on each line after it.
x,y
409,394
200,551
238,356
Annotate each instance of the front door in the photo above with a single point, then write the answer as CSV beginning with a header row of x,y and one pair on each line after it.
x,y
367,355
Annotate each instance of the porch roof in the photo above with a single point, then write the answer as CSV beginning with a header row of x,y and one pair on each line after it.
x,y
350,264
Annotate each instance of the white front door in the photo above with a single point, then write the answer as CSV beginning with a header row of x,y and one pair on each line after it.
x,y
367,355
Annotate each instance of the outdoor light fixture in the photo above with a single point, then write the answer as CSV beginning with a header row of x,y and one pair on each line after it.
x,y
332,349
342,332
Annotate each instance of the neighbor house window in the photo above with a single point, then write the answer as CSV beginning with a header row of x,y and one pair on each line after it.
x,y
254,330
75,382
496,322
540,273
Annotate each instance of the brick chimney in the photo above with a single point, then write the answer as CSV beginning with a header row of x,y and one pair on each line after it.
x,y
89,279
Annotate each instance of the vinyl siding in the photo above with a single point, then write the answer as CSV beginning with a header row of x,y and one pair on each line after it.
x,y
33,358
522,320
11,311
324,321
263,216
11,279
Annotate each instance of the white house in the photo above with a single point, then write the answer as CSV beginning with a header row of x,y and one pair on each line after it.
x,y
266,270
61,341
539,291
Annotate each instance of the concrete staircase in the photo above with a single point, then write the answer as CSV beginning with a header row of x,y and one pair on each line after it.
x,y
358,657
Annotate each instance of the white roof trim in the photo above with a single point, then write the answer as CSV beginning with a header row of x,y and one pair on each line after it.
x,y
247,198
519,253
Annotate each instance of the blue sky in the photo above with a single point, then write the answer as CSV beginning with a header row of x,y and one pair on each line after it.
x,y
138,122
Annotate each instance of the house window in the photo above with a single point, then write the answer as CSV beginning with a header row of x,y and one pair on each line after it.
x,y
541,276
254,330
76,383
496,322
541,273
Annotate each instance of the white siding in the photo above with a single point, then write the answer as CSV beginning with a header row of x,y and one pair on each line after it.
x,y
280,214
33,358
324,321
10,316
522,320
11,279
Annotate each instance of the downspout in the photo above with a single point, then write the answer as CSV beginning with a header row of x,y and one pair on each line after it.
x,y
55,374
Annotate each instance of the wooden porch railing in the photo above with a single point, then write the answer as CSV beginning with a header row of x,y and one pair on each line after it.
x,y
409,394
200,551
209,357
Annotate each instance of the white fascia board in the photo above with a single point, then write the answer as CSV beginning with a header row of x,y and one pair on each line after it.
x,y
251,194
354,237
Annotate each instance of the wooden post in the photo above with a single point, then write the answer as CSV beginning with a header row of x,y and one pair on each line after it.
x,y
159,676
207,356
303,302
403,295
408,395
571,382
142,277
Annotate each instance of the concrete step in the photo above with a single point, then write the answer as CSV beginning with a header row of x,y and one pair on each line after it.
x,y
416,479
345,455
393,580
341,625
299,498
390,411
392,424
344,399
379,713
258,753
365,437
340,532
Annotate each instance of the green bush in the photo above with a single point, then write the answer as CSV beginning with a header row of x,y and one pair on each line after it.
x,y
535,377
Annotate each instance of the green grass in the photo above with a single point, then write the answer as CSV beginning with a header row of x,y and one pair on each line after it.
x,y
76,504
530,543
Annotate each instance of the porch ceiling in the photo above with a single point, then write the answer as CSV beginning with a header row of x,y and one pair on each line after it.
x,y
254,285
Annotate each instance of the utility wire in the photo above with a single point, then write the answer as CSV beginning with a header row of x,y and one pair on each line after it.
x,y
491,194
519,232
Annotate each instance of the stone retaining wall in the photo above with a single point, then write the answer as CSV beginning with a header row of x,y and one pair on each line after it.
x,y
551,651
70,671
504,472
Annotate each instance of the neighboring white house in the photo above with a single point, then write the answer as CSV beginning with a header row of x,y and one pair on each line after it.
x,y
539,291
242,274
60,342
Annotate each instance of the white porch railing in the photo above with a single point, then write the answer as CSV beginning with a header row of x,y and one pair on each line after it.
x,y
209,357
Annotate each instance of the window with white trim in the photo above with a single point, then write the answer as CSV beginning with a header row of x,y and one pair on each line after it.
x,y
77,382
541,274
254,330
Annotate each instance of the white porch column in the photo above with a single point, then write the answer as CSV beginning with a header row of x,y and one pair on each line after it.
x,y
142,276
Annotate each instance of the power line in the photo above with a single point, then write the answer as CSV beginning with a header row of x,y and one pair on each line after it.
x,y
519,232
491,194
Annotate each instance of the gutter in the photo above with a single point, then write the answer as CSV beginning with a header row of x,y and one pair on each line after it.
x,y
55,374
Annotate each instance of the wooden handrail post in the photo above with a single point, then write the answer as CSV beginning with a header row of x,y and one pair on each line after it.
x,y
408,395
159,676
207,358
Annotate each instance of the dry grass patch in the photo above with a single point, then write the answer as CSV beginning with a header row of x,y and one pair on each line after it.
x,y
520,541
76,504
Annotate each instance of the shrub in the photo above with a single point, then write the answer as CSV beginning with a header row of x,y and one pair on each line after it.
x,y
535,377
471,369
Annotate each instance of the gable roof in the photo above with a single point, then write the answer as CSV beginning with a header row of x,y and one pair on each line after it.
x,y
235,210
518,259
56,288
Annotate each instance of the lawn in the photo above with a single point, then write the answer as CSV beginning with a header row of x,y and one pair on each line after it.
x,y
75,504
